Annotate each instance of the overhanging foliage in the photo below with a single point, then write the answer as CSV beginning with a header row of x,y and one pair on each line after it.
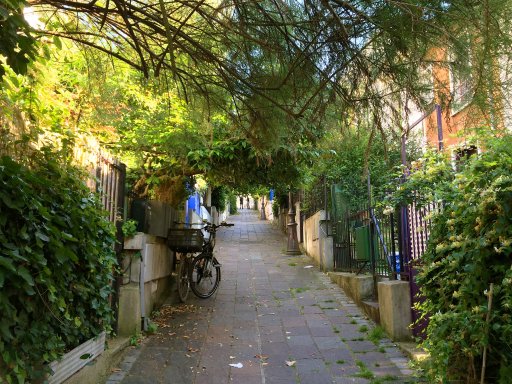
x,y
265,62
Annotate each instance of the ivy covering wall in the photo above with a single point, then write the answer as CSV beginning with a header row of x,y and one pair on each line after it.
x,y
56,265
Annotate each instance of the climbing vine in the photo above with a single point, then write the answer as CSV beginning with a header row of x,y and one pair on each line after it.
x,y
56,265
470,248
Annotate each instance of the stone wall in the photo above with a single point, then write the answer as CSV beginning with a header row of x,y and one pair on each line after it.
x,y
147,267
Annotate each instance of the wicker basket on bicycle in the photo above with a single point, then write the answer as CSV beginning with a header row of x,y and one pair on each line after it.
x,y
185,240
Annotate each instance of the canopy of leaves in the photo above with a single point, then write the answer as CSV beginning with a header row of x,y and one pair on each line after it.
x,y
262,73
265,62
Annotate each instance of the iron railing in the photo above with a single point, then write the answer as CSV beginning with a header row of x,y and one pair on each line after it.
x,y
315,199
365,240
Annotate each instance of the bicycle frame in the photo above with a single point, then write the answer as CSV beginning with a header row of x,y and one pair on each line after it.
x,y
201,260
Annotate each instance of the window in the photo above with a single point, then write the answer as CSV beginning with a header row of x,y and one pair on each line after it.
x,y
426,78
461,155
461,79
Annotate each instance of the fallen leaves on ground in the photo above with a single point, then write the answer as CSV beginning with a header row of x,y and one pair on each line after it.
x,y
169,312
261,357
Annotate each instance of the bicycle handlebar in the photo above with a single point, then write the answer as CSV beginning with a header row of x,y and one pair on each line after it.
x,y
207,224
215,226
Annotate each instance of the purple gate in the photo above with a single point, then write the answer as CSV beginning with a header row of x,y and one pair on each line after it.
x,y
415,225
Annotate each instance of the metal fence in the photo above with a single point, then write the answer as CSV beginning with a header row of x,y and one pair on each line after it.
x,y
382,243
416,224
315,199
399,237
365,240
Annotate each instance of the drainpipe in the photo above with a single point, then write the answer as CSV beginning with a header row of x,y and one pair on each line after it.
x,y
439,127
143,319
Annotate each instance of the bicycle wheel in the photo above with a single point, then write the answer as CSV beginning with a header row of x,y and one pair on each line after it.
x,y
205,277
183,277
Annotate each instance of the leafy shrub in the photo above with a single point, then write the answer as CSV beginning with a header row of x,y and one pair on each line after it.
x,y
275,208
344,159
470,247
232,204
56,265
220,197
129,228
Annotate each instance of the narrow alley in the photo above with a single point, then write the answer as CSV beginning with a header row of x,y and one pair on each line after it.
x,y
275,319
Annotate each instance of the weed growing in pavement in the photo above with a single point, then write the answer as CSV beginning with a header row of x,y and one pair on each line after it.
x,y
335,330
382,350
353,322
340,362
420,369
364,372
376,334
363,328
295,291
383,379
152,328
135,339
292,264
328,301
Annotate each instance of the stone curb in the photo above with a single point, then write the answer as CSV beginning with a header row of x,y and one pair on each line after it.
x,y
412,351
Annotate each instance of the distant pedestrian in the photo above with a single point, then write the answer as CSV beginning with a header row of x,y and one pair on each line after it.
x,y
247,202
241,202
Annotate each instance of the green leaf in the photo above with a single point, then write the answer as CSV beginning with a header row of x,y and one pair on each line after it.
x,y
42,236
25,274
57,42
7,200
7,263
64,254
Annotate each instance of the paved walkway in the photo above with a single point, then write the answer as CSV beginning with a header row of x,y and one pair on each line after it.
x,y
274,320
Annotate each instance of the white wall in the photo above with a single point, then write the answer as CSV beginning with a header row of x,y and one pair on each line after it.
x,y
317,244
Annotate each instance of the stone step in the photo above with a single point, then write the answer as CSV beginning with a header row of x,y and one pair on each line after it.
x,y
371,309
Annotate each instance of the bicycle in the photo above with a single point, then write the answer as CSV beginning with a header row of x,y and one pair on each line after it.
x,y
201,273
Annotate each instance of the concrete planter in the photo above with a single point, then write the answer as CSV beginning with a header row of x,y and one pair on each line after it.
x,y
72,362
135,242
